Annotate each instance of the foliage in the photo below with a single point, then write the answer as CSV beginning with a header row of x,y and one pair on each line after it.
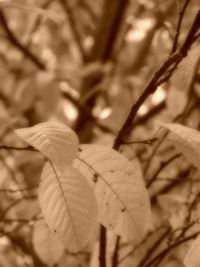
x,y
99,133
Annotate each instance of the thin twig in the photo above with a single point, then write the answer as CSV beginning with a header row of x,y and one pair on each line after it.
x,y
115,254
147,141
73,22
165,251
151,87
8,190
178,27
18,44
29,148
163,165
156,80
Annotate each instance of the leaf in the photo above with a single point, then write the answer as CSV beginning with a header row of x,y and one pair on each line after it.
x,y
48,14
192,258
123,200
47,246
186,140
68,205
55,140
181,82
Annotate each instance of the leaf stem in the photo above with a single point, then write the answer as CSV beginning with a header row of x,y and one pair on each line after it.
x,y
102,247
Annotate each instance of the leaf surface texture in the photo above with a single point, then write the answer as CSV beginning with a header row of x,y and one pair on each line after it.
x,y
122,197
68,205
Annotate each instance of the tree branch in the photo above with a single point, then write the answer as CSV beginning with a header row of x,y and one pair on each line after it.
x,y
151,87
18,44
72,23
178,27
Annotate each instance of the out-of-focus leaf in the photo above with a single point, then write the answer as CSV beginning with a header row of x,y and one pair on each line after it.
x,y
48,14
192,258
177,96
186,140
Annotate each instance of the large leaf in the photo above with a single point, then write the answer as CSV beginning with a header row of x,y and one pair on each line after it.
x,y
47,246
192,258
68,205
55,140
123,200
186,140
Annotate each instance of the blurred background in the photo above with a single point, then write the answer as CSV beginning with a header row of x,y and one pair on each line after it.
x,y
84,63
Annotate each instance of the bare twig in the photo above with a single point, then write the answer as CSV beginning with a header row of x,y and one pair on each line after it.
x,y
147,141
178,27
156,80
18,44
165,251
8,190
151,87
115,254
73,27
163,165
29,148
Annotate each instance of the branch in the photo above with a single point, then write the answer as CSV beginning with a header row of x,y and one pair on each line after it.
x,y
163,165
151,87
86,111
29,148
115,254
8,190
178,27
102,247
165,251
72,23
19,45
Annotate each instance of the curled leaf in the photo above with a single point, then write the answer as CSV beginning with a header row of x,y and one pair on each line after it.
x,y
55,140
186,140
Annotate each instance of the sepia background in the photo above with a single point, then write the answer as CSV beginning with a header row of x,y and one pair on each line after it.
x,y
84,63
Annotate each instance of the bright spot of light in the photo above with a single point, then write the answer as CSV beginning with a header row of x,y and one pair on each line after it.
x,y
158,96
88,42
65,87
143,110
70,111
105,113
145,23
4,241
135,35
48,55
140,27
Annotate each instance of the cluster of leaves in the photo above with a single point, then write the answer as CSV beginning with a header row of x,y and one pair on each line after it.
x,y
67,200
84,63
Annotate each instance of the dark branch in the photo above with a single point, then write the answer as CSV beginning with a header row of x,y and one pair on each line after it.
x,y
151,87
18,44
178,27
